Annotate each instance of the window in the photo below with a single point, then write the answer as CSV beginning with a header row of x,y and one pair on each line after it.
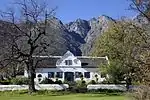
x,y
78,74
59,74
87,74
50,74
68,62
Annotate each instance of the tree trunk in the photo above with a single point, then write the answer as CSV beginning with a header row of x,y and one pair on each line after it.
x,y
13,71
128,83
31,75
31,81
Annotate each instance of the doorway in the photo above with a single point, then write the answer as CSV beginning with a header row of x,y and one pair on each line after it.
x,y
69,76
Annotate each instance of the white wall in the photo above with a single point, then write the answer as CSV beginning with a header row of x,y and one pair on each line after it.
x,y
37,86
62,67
93,72
62,87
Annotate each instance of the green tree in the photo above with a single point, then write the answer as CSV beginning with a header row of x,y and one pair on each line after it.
x,y
122,44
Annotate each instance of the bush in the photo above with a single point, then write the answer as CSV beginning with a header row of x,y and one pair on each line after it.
x,y
69,83
81,84
106,82
92,82
5,82
47,81
105,91
58,82
20,81
78,87
141,93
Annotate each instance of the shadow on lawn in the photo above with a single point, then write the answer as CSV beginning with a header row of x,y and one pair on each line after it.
x,y
61,93
46,92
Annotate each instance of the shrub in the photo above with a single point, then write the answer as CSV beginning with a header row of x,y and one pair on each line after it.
x,y
5,82
66,82
105,82
80,84
78,87
141,93
69,83
92,82
19,81
58,82
47,81
105,91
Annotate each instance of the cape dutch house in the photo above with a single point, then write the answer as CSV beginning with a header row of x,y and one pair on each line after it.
x,y
69,67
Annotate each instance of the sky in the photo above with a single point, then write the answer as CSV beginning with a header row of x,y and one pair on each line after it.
x,y
70,10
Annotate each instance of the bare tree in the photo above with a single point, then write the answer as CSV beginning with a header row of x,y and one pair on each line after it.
x,y
142,6
26,35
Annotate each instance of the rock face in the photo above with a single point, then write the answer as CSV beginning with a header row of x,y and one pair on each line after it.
x,y
98,26
88,31
61,39
77,36
79,26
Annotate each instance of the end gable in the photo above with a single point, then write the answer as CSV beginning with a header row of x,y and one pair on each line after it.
x,y
68,56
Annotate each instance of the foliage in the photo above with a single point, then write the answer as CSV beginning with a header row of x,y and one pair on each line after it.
x,y
20,81
122,44
115,71
70,83
5,82
81,86
141,93
58,81
106,91
92,82
142,6
26,36
50,81
47,81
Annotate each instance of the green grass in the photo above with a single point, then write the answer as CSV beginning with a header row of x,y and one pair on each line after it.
x,y
58,96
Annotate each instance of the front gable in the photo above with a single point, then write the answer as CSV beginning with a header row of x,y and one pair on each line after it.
x,y
68,60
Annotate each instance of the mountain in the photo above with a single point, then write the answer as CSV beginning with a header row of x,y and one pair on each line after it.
x,y
98,26
89,31
80,27
77,36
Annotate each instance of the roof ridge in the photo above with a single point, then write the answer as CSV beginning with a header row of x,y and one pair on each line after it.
x,y
89,57
75,56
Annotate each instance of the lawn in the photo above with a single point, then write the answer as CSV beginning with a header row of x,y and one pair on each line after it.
x,y
7,96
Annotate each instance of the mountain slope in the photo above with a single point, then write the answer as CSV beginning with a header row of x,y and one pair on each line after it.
x,y
89,31
77,36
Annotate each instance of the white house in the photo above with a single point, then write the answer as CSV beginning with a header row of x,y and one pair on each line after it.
x,y
69,67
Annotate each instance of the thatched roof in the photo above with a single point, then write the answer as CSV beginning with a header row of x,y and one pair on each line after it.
x,y
86,62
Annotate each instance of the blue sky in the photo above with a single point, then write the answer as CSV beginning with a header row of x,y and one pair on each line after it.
x,y
69,10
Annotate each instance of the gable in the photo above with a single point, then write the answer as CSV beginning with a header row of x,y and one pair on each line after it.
x,y
68,57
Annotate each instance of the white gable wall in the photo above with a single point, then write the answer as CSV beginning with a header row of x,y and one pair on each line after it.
x,y
68,56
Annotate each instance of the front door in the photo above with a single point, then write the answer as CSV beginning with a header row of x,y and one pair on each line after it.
x,y
69,76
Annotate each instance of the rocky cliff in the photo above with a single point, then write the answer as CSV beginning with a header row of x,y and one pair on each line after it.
x,y
89,31
77,36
